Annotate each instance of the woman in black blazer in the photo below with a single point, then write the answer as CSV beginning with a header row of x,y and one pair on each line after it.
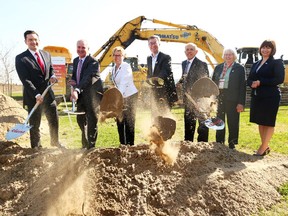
x,y
231,80
264,79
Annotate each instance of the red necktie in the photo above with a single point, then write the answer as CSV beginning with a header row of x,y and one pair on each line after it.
x,y
79,71
40,62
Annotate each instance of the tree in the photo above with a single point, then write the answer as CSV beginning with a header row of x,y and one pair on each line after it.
x,y
6,69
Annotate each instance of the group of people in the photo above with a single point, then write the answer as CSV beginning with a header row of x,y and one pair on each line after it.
x,y
229,76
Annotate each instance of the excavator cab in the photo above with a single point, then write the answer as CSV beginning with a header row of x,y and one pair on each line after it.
x,y
247,56
133,61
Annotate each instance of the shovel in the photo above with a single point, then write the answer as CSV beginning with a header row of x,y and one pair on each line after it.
x,y
20,129
166,127
205,87
73,111
214,123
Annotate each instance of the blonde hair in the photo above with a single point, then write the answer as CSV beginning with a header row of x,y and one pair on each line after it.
x,y
119,49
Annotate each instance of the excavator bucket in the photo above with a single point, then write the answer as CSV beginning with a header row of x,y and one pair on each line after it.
x,y
166,127
111,105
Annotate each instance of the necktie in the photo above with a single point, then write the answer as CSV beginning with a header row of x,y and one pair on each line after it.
x,y
79,67
40,62
187,67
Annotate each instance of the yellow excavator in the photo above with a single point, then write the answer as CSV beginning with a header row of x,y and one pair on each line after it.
x,y
177,33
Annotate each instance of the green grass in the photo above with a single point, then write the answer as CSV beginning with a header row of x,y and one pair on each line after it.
x,y
249,138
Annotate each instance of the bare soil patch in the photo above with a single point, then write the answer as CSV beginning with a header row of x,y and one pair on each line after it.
x,y
206,179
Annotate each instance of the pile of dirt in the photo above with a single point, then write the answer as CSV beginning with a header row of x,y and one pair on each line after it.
x,y
207,179
11,113
172,178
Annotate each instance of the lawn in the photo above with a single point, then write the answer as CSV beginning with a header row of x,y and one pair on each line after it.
x,y
249,138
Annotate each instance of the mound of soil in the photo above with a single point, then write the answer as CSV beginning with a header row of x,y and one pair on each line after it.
x,y
185,179
206,179
11,113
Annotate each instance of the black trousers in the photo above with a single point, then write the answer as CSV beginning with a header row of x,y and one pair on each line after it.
x,y
190,126
50,111
228,113
126,127
88,125
89,102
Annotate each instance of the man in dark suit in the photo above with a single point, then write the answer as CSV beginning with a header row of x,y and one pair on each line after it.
x,y
88,91
192,70
163,89
35,71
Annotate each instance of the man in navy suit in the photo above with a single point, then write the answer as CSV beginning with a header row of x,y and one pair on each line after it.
x,y
192,70
35,80
163,89
88,92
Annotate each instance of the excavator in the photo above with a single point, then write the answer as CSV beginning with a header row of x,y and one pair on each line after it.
x,y
177,33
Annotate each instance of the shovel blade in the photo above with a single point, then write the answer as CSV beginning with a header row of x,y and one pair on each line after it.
x,y
166,126
17,131
215,123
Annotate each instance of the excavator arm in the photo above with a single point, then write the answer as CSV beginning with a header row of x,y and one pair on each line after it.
x,y
185,34
177,33
123,37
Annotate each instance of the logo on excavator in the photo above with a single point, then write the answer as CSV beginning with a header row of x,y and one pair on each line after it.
x,y
171,36
175,37
185,34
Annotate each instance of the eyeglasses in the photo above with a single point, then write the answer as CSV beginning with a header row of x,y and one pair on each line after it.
x,y
152,43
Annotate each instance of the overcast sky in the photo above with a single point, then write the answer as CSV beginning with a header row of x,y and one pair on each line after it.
x,y
63,22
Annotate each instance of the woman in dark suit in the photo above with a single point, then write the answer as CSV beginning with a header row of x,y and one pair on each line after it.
x,y
264,79
231,80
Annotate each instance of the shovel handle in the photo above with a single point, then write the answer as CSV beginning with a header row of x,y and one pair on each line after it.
x,y
38,103
195,105
73,105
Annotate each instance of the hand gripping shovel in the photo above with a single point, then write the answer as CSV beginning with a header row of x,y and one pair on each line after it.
x,y
20,129
73,111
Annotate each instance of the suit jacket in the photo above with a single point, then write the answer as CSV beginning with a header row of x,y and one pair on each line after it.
x,y
270,74
163,70
90,81
123,79
32,77
197,70
236,85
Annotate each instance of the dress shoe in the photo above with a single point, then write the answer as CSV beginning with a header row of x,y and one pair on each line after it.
x,y
37,147
59,145
267,151
231,146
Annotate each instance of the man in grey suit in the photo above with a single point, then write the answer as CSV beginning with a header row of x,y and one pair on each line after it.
x,y
35,71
